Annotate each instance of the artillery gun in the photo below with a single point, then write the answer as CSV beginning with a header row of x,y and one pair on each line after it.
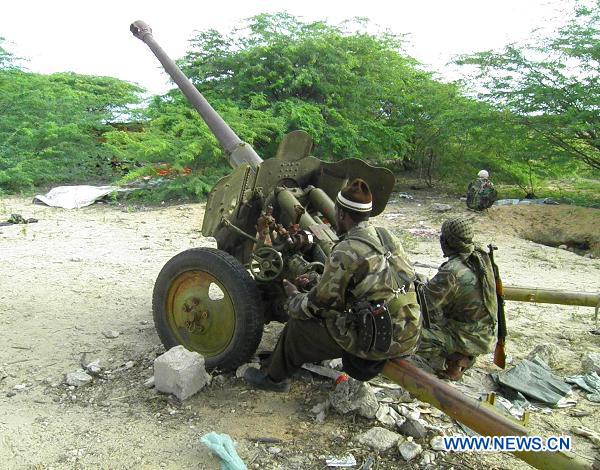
x,y
272,219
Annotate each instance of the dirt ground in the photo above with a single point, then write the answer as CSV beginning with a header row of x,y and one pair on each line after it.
x,y
78,273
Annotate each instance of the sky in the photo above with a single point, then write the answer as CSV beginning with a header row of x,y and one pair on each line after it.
x,y
94,38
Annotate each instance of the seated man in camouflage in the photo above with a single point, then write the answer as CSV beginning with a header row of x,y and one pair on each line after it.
x,y
481,193
461,302
363,308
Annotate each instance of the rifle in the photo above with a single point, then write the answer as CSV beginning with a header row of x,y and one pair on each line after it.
x,y
419,287
499,353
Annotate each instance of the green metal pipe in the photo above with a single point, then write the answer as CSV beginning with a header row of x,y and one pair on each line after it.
x,y
238,152
547,296
323,203
288,202
476,415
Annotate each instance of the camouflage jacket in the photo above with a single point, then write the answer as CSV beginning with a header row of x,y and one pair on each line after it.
x,y
355,271
481,194
455,293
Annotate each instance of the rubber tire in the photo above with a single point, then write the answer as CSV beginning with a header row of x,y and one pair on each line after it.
x,y
244,293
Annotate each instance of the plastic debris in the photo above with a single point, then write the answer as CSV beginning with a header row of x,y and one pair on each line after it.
x,y
75,197
222,445
346,461
511,202
535,380
589,382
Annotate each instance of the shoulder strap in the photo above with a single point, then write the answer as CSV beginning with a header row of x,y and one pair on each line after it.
x,y
385,249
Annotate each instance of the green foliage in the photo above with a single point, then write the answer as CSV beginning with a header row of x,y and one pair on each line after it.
x,y
356,93
7,59
551,85
51,126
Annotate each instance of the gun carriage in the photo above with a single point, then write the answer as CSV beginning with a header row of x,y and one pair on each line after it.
x,y
272,219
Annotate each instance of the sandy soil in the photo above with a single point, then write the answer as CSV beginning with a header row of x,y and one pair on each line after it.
x,y
76,274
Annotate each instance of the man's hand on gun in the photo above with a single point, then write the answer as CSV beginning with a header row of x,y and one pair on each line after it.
x,y
290,289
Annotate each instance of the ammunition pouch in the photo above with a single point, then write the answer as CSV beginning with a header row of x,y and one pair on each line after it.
x,y
374,326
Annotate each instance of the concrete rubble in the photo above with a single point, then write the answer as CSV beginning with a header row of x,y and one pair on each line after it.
x,y
180,372
380,439
354,395
78,378
111,334
93,367
427,458
591,363
437,443
413,427
409,450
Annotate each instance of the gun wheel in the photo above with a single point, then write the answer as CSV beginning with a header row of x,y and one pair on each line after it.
x,y
205,300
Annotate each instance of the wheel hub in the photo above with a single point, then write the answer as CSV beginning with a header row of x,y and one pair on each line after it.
x,y
198,316
200,321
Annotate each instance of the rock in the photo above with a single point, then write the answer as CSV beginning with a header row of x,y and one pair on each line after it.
x,y
383,415
437,443
180,372
128,365
412,427
78,378
441,207
547,352
589,256
409,450
408,412
320,407
591,363
218,380
11,393
562,247
93,367
428,458
354,395
111,334
149,383
19,387
3,374
241,370
380,439
333,363
274,450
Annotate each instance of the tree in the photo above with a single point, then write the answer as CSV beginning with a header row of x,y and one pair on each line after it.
x,y
51,126
552,84
343,86
7,59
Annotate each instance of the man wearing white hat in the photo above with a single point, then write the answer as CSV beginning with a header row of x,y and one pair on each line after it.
x,y
481,193
363,309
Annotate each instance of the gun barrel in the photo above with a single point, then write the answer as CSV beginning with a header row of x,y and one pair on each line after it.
x,y
548,296
476,415
238,152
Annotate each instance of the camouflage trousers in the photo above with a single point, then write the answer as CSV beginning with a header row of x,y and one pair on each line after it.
x,y
436,345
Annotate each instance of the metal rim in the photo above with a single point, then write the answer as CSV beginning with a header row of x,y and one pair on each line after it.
x,y
200,312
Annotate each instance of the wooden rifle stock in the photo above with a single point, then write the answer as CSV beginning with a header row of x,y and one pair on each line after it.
x,y
499,352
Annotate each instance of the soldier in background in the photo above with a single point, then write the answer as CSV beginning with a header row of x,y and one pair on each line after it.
x,y
461,302
481,193
363,308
